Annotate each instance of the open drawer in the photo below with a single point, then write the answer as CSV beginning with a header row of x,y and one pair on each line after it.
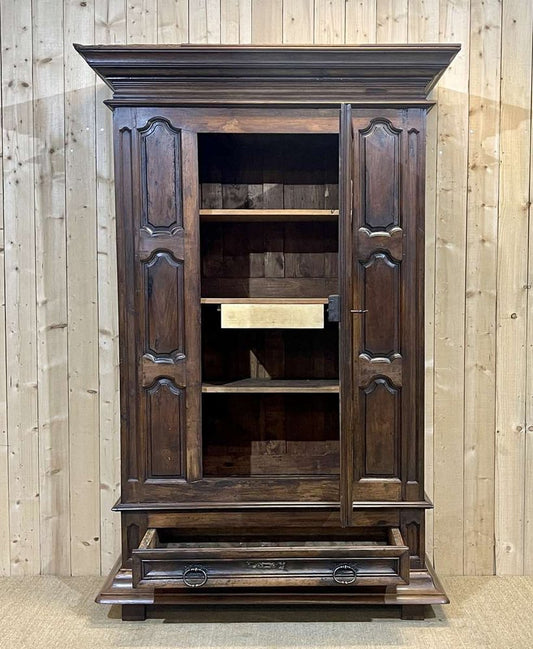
x,y
162,561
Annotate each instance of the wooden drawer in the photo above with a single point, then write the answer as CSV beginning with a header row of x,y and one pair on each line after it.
x,y
163,562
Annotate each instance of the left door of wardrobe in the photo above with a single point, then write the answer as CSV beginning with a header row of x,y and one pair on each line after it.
x,y
159,304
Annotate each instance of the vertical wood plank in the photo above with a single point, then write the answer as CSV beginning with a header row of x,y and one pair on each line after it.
x,y
480,300
110,27
5,567
21,352
236,21
449,298
267,22
298,21
82,292
49,167
391,21
204,21
423,27
528,486
329,21
423,21
360,21
172,21
142,21
515,125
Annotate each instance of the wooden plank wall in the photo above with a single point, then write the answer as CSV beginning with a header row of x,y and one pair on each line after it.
x,y
58,317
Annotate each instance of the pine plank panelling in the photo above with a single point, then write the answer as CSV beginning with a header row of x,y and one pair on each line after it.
x,y
449,292
423,27
423,21
110,27
515,129
298,21
360,22
50,246
172,21
5,544
236,21
391,21
528,487
480,302
329,21
59,375
204,21
20,296
142,21
267,21
82,293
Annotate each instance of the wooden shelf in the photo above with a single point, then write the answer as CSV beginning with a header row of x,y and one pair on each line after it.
x,y
264,300
247,215
274,386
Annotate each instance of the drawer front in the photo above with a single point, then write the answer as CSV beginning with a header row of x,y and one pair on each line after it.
x,y
229,565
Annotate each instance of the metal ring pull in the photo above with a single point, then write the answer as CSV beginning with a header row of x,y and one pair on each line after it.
x,y
194,577
345,574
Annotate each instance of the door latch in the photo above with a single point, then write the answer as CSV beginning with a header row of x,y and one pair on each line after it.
x,y
334,308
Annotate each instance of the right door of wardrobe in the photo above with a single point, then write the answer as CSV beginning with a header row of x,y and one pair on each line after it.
x,y
381,235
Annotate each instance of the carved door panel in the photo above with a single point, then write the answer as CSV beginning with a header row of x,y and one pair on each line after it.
x,y
159,299
382,241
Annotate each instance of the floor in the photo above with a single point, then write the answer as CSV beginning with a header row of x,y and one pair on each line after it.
x,y
43,612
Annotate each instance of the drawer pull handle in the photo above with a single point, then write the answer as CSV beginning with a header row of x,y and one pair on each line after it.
x,y
194,577
344,574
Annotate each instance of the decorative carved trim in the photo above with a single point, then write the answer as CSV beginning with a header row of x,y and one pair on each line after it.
x,y
390,241
381,442
381,300
178,353
380,381
145,133
156,433
370,367
376,187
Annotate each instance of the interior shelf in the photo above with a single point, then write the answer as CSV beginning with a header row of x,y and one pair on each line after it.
x,y
273,386
278,215
264,300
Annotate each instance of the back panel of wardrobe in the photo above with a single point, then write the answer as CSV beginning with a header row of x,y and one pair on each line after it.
x,y
274,172
268,170
281,255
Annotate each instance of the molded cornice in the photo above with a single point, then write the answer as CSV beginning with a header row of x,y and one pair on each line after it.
x,y
232,74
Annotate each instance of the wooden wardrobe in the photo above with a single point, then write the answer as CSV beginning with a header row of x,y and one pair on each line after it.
x,y
270,233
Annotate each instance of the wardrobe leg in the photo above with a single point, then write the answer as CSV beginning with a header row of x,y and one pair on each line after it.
x,y
413,612
134,612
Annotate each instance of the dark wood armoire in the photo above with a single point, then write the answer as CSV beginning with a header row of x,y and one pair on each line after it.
x,y
270,232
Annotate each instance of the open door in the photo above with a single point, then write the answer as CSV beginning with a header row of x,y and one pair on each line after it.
x,y
381,243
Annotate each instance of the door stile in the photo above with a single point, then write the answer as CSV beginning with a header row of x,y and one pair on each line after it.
x,y
191,208
346,320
